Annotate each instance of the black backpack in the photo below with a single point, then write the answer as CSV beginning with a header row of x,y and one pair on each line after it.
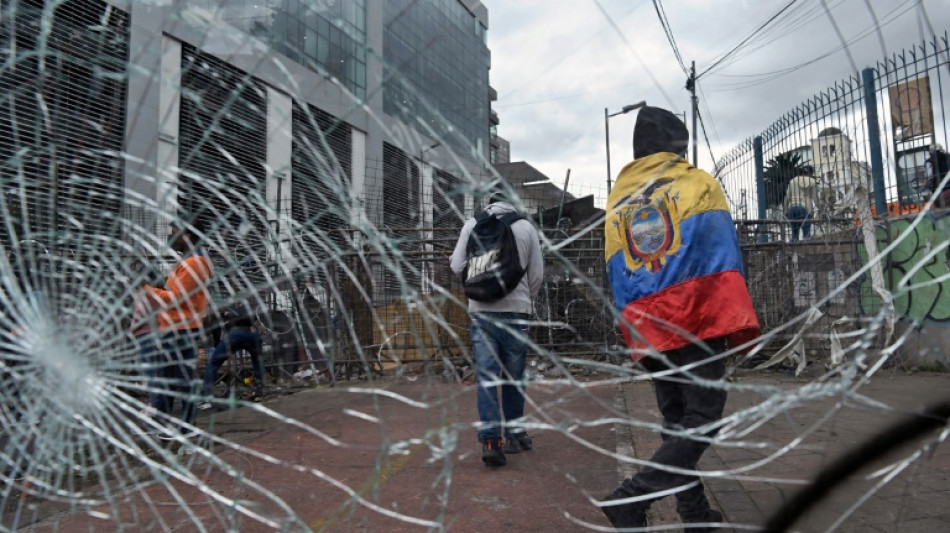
x,y
494,267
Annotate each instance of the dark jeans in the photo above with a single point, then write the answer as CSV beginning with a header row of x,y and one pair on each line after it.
x,y
500,344
148,345
175,372
684,404
800,219
236,339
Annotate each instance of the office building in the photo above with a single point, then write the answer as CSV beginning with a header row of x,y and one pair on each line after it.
x,y
281,122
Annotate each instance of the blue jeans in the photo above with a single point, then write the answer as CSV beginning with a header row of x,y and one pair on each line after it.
x,y
148,346
175,372
800,218
500,343
236,339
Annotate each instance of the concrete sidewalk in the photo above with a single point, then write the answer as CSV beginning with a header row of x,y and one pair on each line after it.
x,y
298,461
828,425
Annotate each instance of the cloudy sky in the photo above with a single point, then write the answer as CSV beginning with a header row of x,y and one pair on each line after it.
x,y
556,65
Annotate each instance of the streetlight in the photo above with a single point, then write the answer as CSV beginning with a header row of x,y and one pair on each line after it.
x,y
625,109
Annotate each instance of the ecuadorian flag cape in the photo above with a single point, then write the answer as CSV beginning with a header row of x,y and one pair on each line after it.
x,y
673,258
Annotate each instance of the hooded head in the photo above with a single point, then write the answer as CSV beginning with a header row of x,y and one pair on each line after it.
x,y
498,192
185,237
657,130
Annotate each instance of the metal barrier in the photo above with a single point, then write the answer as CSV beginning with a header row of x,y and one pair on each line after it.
x,y
871,134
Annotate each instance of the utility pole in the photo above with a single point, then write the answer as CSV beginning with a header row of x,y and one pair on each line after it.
x,y
691,87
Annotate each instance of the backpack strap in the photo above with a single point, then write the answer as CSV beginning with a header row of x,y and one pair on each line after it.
x,y
510,218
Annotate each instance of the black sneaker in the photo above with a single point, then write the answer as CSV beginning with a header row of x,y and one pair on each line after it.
x,y
626,514
492,454
710,516
516,443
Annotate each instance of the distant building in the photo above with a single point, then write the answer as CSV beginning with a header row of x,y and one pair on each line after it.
x,y
536,190
269,117
501,151
835,165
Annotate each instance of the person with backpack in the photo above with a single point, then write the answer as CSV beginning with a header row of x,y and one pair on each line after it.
x,y
498,256
676,274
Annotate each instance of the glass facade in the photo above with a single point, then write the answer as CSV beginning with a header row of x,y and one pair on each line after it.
x,y
328,36
436,65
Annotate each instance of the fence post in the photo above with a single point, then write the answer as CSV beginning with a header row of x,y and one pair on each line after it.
x,y
874,140
760,186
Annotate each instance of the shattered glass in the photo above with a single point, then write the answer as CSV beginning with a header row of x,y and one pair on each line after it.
x,y
124,125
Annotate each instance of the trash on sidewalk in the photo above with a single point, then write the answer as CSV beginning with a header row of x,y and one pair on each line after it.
x,y
321,376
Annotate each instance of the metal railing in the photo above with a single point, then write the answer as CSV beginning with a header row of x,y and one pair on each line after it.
x,y
869,134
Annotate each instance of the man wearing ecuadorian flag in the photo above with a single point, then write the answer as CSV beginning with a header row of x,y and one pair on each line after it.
x,y
677,278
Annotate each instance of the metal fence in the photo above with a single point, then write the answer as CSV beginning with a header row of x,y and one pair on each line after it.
x,y
868,142
869,135
337,322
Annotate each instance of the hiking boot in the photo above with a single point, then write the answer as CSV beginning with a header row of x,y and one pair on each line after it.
x,y
516,443
492,454
709,516
626,514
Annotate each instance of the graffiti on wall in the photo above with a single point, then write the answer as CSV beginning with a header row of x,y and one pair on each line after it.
x,y
925,297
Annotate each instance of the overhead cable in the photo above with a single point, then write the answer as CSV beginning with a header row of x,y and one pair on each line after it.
x,y
661,13
746,40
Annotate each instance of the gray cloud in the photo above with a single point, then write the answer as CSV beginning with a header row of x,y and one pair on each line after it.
x,y
558,64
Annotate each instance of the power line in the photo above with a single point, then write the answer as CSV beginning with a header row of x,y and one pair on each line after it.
x,y
702,123
746,40
633,50
789,24
661,13
765,77
562,58
709,113
712,157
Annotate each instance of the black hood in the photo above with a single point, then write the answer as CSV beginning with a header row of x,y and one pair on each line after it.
x,y
658,130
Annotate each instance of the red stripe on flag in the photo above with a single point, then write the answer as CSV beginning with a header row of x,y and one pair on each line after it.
x,y
707,307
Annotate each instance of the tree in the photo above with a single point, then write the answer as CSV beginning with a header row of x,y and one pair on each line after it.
x,y
778,172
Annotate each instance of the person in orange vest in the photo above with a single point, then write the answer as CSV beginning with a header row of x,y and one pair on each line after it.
x,y
183,307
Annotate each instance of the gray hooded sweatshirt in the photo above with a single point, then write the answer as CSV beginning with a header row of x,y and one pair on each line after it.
x,y
521,299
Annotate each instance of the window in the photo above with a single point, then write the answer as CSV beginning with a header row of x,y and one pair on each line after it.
x,y
310,43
